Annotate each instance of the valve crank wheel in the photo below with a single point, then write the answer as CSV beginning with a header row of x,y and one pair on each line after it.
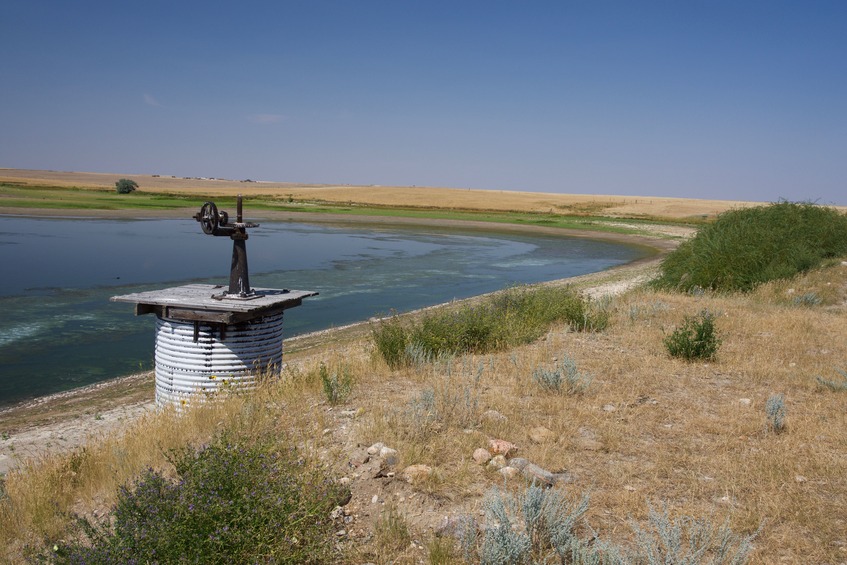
x,y
209,217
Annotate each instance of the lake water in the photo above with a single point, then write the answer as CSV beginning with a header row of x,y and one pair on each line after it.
x,y
58,329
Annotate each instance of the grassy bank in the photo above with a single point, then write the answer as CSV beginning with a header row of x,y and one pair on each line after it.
x,y
649,428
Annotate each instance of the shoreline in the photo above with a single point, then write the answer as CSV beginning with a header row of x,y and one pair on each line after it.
x,y
67,419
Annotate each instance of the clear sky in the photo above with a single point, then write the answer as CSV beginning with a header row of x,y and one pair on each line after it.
x,y
731,99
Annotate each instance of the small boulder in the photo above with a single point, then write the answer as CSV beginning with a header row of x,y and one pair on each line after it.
x,y
497,462
374,449
481,456
508,472
501,447
415,474
540,434
388,455
587,440
533,472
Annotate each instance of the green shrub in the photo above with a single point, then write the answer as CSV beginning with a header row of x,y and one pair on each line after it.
x,y
695,339
747,247
391,339
513,317
125,186
232,502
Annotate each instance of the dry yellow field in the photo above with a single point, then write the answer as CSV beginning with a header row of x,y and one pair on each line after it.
x,y
429,197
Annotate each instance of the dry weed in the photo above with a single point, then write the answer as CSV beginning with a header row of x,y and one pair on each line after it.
x,y
649,429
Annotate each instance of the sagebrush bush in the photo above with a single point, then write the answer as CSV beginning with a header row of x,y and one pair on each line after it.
x,y
835,385
564,377
775,413
513,317
337,384
451,402
688,540
747,247
234,501
695,339
540,526
531,528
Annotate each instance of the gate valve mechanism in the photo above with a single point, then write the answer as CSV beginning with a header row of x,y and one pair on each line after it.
x,y
214,222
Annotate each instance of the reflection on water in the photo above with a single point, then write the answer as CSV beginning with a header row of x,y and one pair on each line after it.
x,y
59,330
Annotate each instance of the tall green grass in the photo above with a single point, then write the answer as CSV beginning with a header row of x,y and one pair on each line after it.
x,y
745,248
516,316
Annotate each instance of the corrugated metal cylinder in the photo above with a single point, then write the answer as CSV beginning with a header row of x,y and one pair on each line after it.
x,y
185,366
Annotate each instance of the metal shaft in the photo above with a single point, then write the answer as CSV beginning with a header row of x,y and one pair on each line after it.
x,y
239,279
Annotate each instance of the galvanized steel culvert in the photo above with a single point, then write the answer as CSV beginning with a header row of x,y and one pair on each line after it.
x,y
223,355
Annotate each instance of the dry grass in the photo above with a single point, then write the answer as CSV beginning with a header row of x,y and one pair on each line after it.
x,y
649,429
400,196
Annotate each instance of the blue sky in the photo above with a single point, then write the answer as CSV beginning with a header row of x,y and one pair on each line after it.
x,y
741,100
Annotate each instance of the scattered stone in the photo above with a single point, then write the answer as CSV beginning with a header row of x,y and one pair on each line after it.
x,y
388,455
493,416
540,434
374,449
588,440
414,474
344,481
609,408
337,513
481,456
533,472
341,533
745,401
501,447
359,458
629,488
497,462
508,472
800,479
375,499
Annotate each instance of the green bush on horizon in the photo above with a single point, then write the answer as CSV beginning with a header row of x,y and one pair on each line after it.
x,y
747,247
516,316
125,186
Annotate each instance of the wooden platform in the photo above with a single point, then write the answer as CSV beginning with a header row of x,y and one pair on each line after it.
x,y
209,303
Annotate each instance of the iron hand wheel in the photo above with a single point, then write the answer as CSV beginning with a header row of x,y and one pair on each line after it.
x,y
208,217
